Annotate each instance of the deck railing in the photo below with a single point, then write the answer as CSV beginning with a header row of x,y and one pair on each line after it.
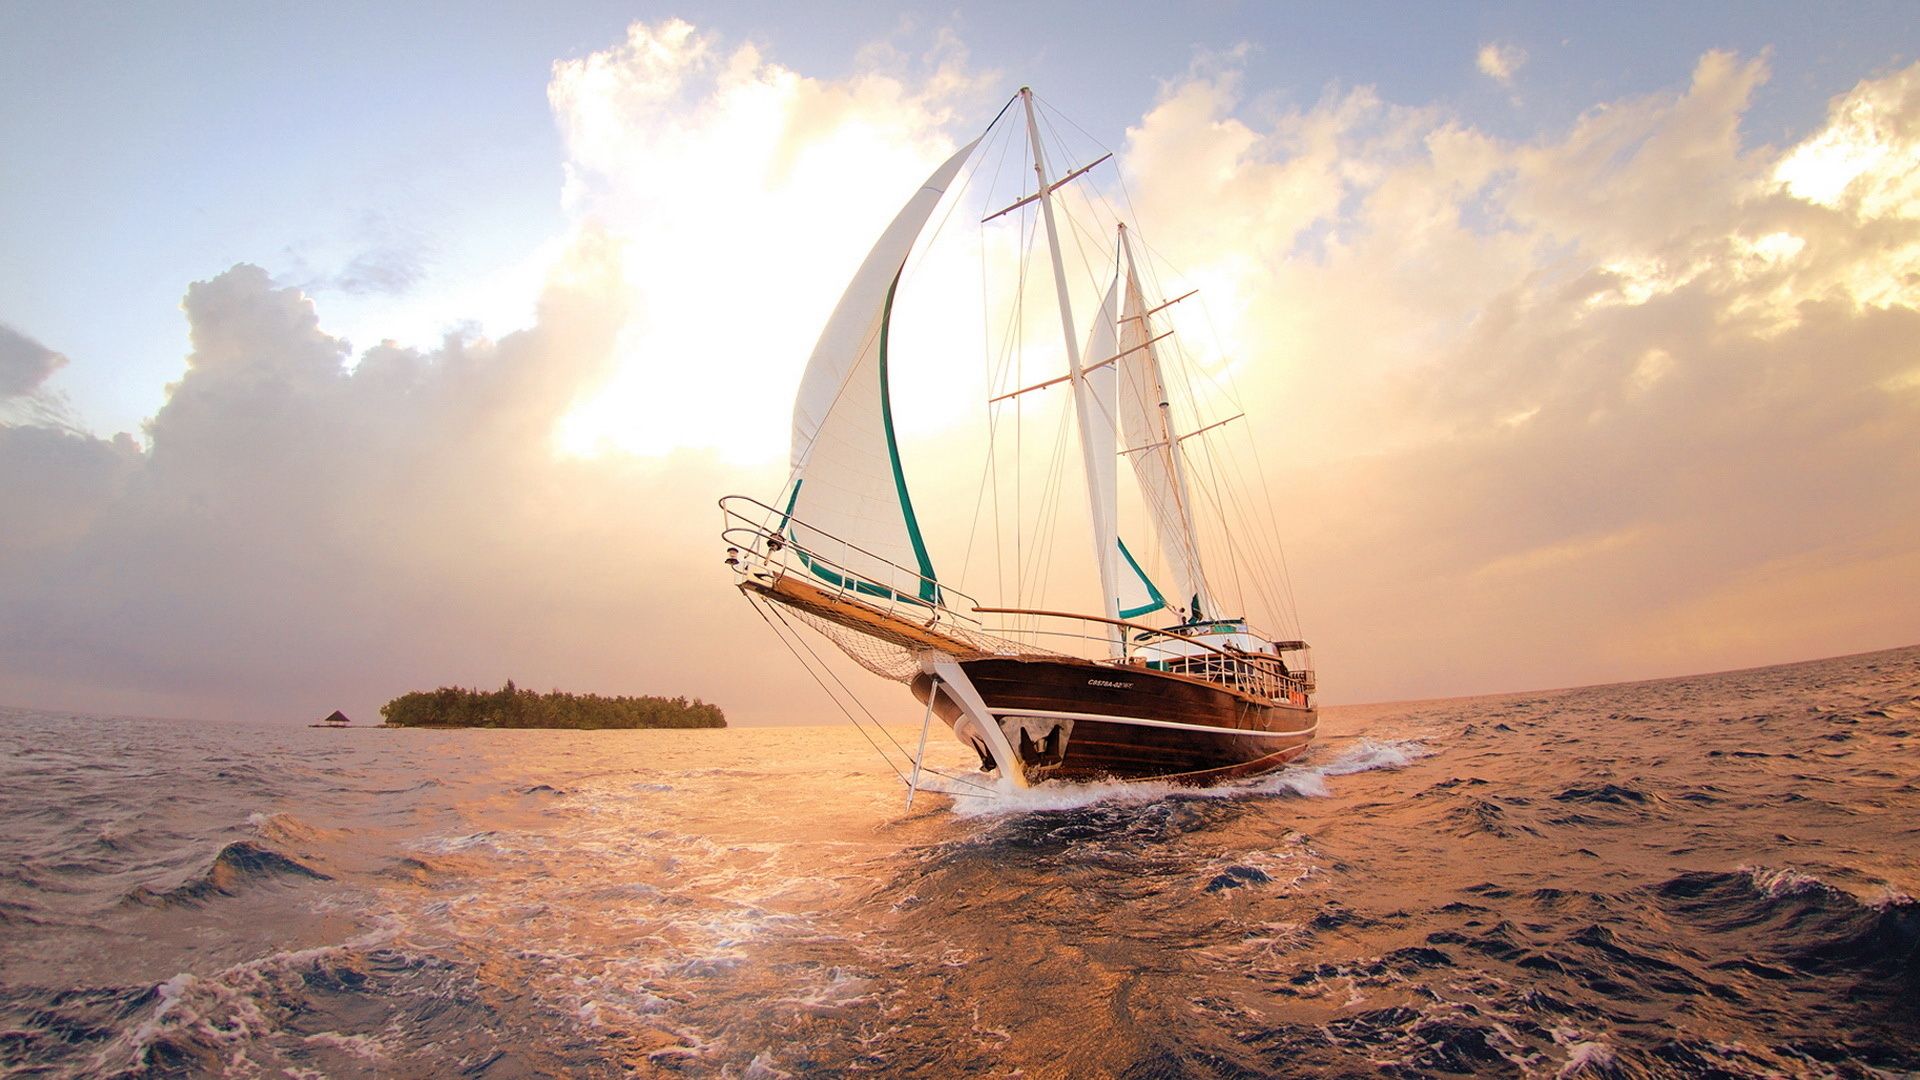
x,y
760,543
1261,674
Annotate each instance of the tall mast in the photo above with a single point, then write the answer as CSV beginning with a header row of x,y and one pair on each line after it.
x,y
1100,495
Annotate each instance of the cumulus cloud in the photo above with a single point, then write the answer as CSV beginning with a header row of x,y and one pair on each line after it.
x,y
300,534
1866,161
298,531
1578,408
311,526
1500,61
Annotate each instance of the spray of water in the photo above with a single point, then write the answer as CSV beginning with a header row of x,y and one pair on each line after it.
x,y
1304,779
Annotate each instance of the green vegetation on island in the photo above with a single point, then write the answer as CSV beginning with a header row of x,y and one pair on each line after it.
x,y
512,707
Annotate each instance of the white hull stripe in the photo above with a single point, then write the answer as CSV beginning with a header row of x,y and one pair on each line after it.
x,y
1055,714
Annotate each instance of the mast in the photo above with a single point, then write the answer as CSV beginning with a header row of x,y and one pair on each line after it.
x,y
1100,496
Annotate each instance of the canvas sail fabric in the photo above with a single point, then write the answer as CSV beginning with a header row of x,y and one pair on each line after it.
x,y
1134,594
848,512
1096,414
1147,438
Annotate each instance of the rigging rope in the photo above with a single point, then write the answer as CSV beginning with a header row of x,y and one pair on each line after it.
x,y
790,637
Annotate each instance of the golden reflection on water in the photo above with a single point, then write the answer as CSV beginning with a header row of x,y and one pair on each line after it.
x,y
1657,875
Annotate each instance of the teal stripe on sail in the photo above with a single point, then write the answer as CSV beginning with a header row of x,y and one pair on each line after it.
x,y
1159,601
827,574
929,588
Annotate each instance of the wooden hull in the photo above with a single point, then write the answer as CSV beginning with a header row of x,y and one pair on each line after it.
x,y
1078,720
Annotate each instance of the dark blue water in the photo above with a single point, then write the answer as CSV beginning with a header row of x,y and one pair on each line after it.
x,y
1694,877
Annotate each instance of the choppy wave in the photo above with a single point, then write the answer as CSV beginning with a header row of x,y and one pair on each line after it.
x,y
237,866
1686,877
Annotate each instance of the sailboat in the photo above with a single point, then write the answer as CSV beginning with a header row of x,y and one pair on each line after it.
x,y
1157,684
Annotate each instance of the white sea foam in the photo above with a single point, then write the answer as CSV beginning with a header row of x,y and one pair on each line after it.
x,y
1586,1056
1585,1053
1367,755
365,1047
226,1012
838,990
1889,897
1307,780
450,845
1783,881
1011,800
1310,779
763,1068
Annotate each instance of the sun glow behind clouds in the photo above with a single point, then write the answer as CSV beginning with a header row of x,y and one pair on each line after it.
x,y
742,195
1868,156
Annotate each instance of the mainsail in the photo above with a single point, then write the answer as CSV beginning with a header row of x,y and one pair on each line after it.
x,y
848,513
1146,428
1134,594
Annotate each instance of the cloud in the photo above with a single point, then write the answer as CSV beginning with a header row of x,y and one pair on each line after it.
x,y
312,526
375,256
1500,61
1867,159
389,271
301,535
713,167
24,363
1549,408
297,530
1629,398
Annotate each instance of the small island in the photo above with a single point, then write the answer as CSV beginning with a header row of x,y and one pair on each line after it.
x,y
512,707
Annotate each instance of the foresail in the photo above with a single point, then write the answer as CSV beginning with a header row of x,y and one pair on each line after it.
x,y
1148,441
1138,594
848,512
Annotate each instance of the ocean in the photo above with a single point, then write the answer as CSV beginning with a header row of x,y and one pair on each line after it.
x,y
1708,876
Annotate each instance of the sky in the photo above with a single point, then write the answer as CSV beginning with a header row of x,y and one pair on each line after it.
x,y
351,351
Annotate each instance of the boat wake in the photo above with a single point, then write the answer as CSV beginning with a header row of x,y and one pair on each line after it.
x,y
1308,779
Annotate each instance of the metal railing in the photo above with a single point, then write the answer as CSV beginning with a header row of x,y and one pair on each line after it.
x,y
1261,676
760,541
1257,673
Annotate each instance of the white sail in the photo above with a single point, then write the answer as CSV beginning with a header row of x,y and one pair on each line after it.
x,y
1146,427
848,513
1097,415
1134,594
